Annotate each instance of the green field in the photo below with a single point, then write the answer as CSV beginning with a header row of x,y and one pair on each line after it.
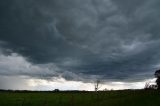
x,y
108,98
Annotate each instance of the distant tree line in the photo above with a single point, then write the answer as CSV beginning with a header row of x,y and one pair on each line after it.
x,y
153,86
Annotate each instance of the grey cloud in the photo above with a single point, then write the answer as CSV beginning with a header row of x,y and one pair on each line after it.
x,y
107,39
14,83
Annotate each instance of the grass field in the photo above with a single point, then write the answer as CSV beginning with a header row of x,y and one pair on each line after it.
x,y
108,98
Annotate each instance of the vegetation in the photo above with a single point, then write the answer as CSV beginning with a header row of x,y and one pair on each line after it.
x,y
107,98
157,75
97,85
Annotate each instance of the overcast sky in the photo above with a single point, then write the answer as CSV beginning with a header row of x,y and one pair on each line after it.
x,y
68,44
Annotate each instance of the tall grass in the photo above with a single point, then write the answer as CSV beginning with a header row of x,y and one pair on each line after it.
x,y
108,98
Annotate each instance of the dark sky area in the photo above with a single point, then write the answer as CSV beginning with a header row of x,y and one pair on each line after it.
x,y
80,40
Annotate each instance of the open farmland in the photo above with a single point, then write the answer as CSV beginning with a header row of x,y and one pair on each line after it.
x,y
107,98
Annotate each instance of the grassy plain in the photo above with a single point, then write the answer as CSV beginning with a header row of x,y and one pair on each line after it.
x,y
107,98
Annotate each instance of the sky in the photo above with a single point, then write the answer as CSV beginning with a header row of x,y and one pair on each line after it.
x,y
69,44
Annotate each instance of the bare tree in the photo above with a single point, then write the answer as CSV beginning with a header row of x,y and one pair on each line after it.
x,y
147,85
97,85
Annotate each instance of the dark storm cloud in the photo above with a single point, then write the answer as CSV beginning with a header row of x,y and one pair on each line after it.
x,y
106,39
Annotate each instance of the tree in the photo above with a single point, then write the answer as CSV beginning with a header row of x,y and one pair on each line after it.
x,y
157,75
97,85
149,86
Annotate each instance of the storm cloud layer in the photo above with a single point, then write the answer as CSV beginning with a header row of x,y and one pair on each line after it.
x,y
80,39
